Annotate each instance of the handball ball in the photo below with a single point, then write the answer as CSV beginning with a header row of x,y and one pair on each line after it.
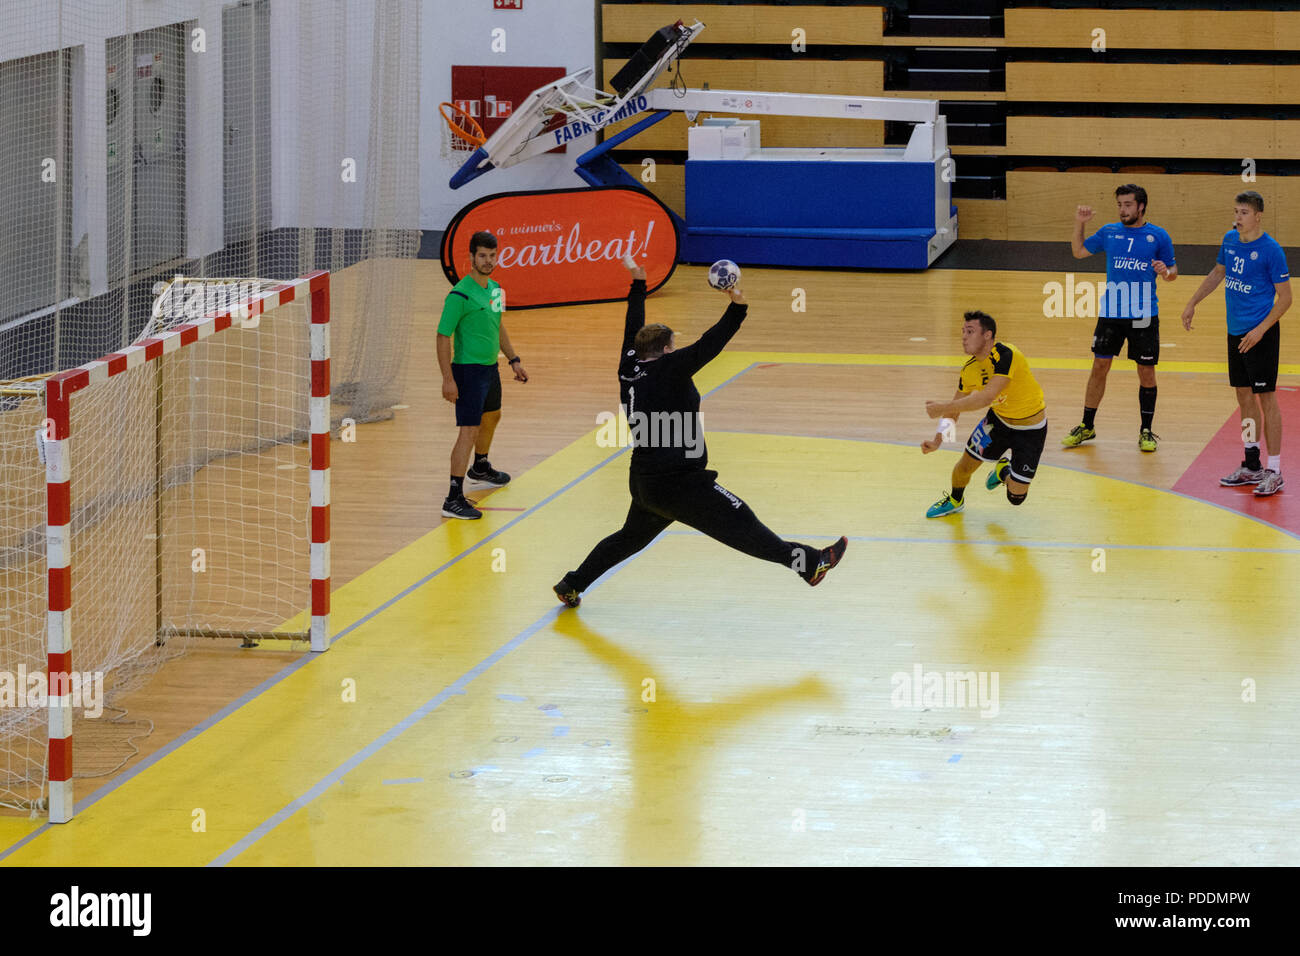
x,y
724,274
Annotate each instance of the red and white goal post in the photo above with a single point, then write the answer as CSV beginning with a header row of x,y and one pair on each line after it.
x,y
204,499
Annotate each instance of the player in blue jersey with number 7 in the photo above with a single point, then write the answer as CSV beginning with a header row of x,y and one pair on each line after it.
x,y
1136,253
1258,292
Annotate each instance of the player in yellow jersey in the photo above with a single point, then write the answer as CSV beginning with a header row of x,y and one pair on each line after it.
x,y
1015,428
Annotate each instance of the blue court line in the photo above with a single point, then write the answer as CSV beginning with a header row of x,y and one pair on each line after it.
x,y
370,749
509,524
118,781
1017,543
406,723
1081,471
160,753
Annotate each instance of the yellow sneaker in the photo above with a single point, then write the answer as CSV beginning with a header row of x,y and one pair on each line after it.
x,y
1078,435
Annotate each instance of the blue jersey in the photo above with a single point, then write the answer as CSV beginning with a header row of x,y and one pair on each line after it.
x,y
1253,268
1130,280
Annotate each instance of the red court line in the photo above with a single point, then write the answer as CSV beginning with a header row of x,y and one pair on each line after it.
x,y
1224,452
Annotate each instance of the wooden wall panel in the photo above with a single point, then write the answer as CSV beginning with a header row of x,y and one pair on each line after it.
x,y
1123,136
754,23
669,185
1154,29
1195,209
981,218
1153,83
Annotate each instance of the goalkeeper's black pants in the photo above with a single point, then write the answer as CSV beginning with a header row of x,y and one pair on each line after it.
x,y
696,499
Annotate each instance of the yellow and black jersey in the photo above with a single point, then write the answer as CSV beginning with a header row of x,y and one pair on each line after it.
x,y
1022,398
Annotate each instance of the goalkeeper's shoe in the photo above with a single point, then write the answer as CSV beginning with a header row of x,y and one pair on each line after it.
x,y
1147,440
567,593
1078,435
945,506
827,558
998,476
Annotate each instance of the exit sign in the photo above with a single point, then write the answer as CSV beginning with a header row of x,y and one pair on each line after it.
x,y
507,4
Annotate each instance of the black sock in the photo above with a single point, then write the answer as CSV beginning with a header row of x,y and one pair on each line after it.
x,y
1088,415
1252,459
1147,404
479,459
456,491
958,494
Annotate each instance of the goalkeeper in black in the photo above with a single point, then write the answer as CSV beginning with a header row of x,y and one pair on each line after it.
x,y
669,476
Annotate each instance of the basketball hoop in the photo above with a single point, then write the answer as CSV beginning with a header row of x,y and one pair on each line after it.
x,y
461,134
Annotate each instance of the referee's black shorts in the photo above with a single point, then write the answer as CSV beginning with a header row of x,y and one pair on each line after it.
x,y
479,391
992,438
1257,368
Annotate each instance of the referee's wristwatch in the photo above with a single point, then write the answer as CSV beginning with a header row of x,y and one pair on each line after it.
x,y
514,360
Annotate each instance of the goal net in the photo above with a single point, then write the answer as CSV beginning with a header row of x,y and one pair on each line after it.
x,y
142,140
174,490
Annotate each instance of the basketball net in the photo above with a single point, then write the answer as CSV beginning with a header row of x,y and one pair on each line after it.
x,y
459,130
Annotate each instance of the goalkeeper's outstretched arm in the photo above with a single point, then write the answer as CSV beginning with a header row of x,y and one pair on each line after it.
x,y
635,319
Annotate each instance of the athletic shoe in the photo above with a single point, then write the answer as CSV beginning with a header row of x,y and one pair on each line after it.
x,y
998,476
460,508
827,558
1243,476
945,506
484,474
567,593
1270,484
1147,440
1078,435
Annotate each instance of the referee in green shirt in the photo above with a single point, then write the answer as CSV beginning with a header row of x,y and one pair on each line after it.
x,y
471,328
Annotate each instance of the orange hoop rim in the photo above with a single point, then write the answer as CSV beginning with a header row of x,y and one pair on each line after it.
x,y
473,135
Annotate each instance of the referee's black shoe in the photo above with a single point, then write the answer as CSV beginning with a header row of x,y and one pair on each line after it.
x,y
827,558
460,508
484,474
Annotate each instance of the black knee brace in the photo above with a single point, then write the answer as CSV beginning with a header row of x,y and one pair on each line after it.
x,y
1014,498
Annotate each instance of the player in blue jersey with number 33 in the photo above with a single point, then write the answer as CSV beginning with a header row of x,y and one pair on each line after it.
x,y
1258,292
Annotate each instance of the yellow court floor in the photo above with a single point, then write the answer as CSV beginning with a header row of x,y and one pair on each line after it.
x,y
1132,700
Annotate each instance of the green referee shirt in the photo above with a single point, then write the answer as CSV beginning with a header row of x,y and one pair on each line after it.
x,y
472,323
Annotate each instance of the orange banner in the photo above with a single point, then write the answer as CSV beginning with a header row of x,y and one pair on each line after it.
x,y
566,246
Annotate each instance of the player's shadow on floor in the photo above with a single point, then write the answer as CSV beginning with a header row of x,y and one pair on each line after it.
x,y
1005,617
670,749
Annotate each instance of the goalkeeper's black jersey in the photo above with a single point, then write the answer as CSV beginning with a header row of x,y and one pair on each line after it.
x,y
663,405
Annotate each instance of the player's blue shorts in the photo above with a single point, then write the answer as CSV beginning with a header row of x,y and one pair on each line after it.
x,y
479,388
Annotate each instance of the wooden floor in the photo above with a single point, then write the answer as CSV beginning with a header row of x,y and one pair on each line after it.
x,y
775,733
